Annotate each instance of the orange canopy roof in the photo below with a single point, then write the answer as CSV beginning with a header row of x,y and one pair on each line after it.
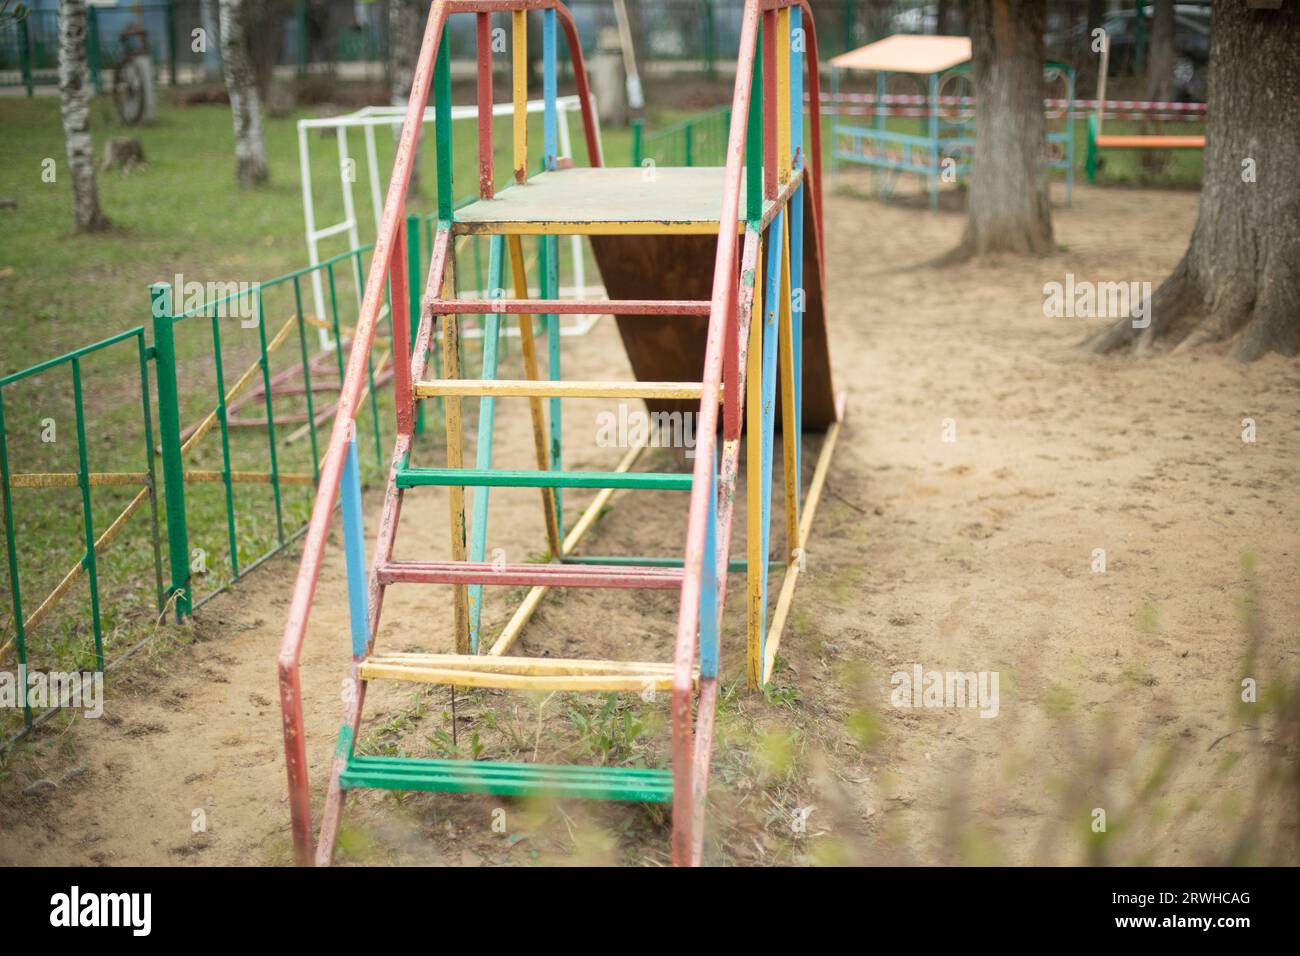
x,y
907,53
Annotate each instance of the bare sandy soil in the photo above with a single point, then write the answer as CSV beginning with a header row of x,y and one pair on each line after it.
x,y
1119,691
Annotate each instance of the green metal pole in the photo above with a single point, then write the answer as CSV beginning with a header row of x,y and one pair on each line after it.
x,y
442,125
93,59
11,550
306,378
223,421
169,431
87,517
25,56
638,141
301,18
754,139
171,38
265,362
414,297
1090,162
143,355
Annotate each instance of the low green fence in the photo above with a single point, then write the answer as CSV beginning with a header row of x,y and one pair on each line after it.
x,y
167,520
697,141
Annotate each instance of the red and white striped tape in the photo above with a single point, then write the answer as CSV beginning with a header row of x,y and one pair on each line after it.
x,y
901,104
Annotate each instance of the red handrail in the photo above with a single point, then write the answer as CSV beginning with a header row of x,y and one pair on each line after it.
x,y
721,315
723,336
389,247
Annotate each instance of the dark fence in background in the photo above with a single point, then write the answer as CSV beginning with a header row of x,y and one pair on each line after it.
x,y
325,36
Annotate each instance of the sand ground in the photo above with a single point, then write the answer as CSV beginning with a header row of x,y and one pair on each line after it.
x,y
983,461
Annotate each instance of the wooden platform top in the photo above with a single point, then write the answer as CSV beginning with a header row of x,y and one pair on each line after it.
x,y
605,201
904,53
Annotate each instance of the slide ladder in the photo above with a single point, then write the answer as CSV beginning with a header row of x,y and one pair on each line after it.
x,y
715,277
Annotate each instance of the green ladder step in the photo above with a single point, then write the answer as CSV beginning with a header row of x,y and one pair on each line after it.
x,y
477,478
630,784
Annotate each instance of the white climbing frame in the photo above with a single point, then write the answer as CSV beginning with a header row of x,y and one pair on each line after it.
x,y
367,119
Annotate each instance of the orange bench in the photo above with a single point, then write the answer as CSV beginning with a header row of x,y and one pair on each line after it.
x,y
1097,142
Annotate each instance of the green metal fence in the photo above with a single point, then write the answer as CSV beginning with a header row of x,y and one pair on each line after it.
x,y
696,141
29,45
71,369
191,371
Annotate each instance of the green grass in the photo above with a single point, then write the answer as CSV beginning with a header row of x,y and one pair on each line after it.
x,y
180,214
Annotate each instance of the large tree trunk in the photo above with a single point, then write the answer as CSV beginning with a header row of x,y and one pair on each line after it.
x,y
74,98
405,30
245,103
1160,58
1240,277
1008,208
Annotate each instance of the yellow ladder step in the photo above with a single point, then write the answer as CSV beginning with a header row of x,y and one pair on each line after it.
x,y
520,673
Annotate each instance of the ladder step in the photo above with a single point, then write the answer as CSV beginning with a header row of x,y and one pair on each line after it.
x,y
540,388
519,673
550,575
735,565
666,307
493,478
630,784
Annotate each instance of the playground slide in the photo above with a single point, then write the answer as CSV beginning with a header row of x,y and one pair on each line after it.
x,y
641,267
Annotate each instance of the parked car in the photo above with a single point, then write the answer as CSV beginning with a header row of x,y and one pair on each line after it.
x,y
1191,45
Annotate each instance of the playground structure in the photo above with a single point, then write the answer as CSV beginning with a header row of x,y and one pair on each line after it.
x,y
701,331
945,142
1097,141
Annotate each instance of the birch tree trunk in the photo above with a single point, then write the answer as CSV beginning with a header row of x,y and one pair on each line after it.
x,y
245,104
74,100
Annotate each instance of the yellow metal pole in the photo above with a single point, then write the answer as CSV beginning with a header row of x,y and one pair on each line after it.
x,y
753,482
789,434
792,572
456,493
519,46
528,349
